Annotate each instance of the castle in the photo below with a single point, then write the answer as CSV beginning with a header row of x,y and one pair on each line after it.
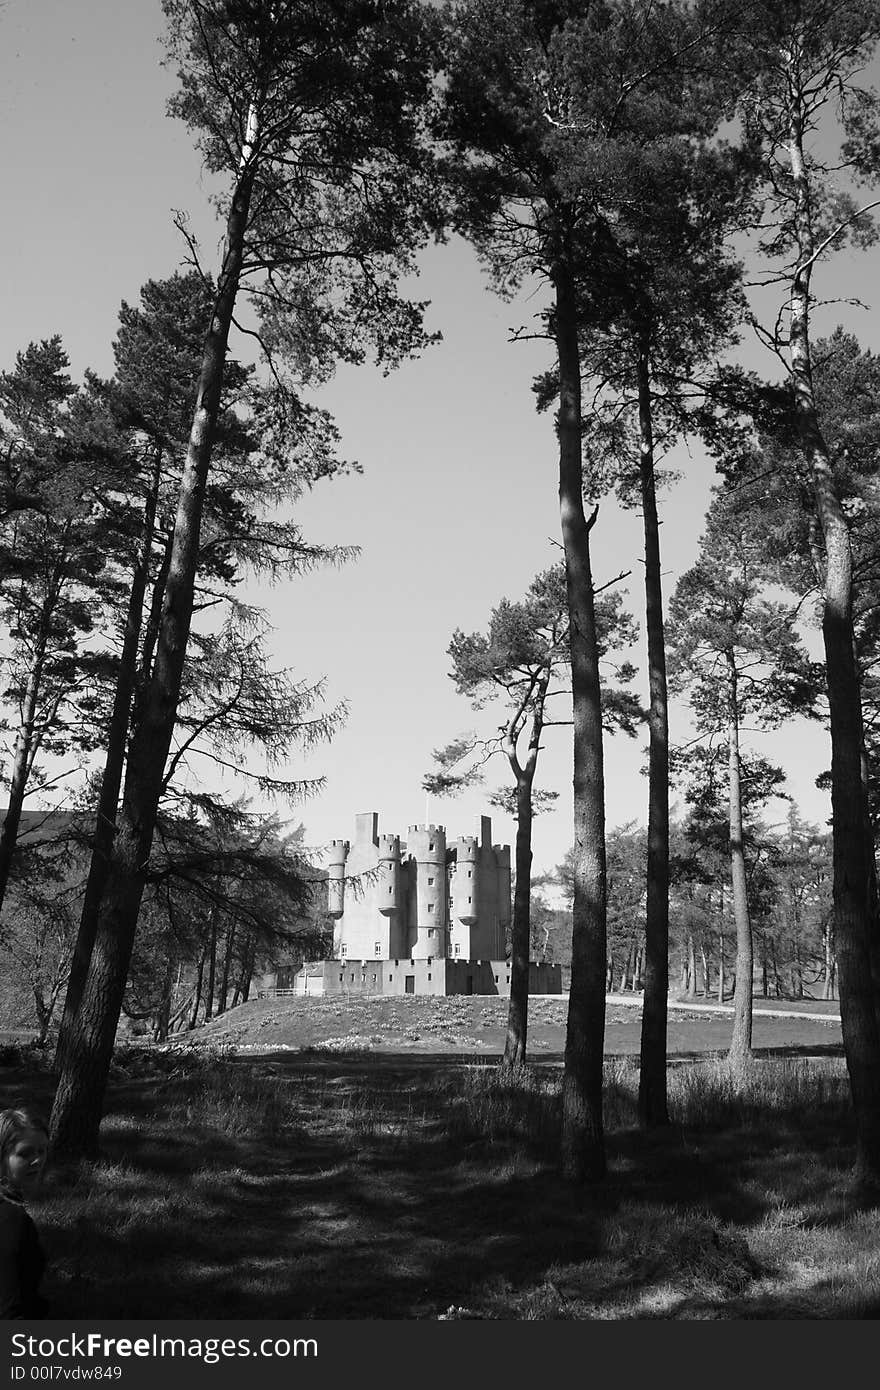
x,y
419,916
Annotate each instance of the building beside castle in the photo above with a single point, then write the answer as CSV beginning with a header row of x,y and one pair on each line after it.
x,y
420,915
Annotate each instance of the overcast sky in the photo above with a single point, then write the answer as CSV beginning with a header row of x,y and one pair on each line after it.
x,y
457,503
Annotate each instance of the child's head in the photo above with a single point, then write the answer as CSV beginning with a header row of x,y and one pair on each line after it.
x,y
24,1143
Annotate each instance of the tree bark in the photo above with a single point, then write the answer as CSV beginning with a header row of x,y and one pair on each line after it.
x,y
741,1042
244,985
691,967
517,1013
163,1016
721,952
828,992
212,964
852,848
197,993
583,1146
111,781
76,1113
227,966
652,1070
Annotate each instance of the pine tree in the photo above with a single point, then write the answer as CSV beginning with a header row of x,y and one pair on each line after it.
x,y
312,112
523,658
735,652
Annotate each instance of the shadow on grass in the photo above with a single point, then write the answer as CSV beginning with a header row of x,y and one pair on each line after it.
x,y
358,1187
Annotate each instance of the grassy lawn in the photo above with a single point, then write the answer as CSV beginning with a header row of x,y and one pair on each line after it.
x,y
384,1181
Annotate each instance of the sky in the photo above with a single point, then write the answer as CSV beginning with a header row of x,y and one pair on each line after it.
x,y
457,504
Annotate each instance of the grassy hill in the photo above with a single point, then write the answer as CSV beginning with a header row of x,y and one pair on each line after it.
x,y
467,1025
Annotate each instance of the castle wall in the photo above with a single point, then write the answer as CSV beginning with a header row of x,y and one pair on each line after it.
x,y
400,975
410,975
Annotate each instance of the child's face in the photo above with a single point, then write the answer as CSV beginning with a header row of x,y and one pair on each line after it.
x,y
26,1158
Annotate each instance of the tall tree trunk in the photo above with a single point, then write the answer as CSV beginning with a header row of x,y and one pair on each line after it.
x,y
76,1113
721,946
28,738
828,992
227,966
22,761
212,965
583,1146
517,1013
873,886
247,970
741,1043
852,849
518,1008
114,761
197,993
163,1016
652,1070
151,636
705,963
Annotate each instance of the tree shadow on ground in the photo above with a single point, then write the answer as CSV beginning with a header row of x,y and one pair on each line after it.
x,y
342,1188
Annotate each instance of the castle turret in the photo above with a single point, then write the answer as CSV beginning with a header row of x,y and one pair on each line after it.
x,y
466,881
502,858
336,878
427,846
389,874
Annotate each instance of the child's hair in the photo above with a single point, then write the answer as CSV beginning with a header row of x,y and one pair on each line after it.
x,y
14,1122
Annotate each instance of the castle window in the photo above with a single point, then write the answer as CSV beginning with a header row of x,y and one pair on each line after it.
x,y
430,907
352,978
431,845
343,951
470,873
430,960
469,900
430,931
458,948
340,979
378,948
374,979
496,979
430,882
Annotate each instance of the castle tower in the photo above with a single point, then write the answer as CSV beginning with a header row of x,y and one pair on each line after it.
x,y
389,874
466,881
427,846
502,859
336,878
